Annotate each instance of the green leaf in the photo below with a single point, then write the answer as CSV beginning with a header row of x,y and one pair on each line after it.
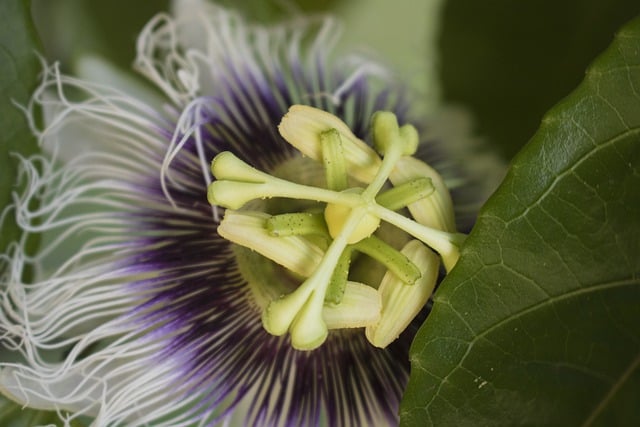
x,y
19,68
538,324
510,61
73,28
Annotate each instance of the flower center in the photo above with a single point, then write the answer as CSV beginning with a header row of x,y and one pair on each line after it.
x,y
325,228
337,215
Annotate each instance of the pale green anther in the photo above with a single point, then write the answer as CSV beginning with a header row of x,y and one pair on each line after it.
x,y
333,159
360,307
297,224
338,281
248,229
434,211
395,261
400,302
406,193
302,127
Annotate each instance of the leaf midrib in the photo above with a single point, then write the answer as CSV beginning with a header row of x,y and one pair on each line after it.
x,y
629,132
612,391
524,311
550,300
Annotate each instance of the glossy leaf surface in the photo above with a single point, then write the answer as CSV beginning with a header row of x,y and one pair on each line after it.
x,y
538,323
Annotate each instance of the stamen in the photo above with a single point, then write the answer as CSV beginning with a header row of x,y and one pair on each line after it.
x,y
393,144
434,211
238,183
338,282
360,306
297,224
395,261
405,194
401,302
248,229
333,160
302,127
350,219
301,310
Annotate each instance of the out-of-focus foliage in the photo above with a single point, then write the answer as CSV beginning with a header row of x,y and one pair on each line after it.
x,y
70,28
18,77
510,61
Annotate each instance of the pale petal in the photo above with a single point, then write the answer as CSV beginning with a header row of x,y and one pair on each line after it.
x,y
402,302
360,307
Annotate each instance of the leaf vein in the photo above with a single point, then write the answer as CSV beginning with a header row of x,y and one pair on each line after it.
x,y
612,392
558,178
550,300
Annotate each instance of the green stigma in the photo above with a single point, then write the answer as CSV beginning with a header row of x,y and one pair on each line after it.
x,y
369,205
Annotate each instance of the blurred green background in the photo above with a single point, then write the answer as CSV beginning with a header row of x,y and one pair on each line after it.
x,y
507,62
510,61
